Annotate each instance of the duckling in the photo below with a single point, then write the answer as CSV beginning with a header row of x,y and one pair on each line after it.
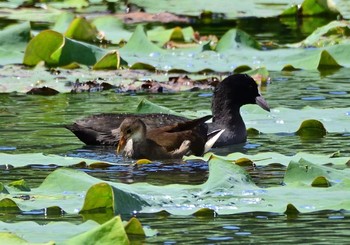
x,y
172,141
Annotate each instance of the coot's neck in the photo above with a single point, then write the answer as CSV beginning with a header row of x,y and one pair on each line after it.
x,y
228,117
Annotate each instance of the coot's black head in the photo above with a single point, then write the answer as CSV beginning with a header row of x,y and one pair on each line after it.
x,y
234,91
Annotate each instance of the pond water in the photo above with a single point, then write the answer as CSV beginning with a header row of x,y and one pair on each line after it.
x,y
30,123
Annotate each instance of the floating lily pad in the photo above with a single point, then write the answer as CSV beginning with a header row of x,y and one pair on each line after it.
x,y
311,129
56,50
13,41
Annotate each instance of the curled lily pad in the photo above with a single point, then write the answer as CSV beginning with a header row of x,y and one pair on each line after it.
x,y
8,206
81,29
56,50
110,61
312,7
205,212
20,185
320,181
134,227
311,129
291,210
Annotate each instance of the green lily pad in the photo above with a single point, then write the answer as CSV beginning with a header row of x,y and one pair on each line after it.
x,y
134,227
110,61
80,29
112,28
311,128
48,15
20,185
335,32
63,21
78,4
304,172
13,41
235,39
161,36
8,206
321,181
111,232
56,50
226,178
312,7
20,160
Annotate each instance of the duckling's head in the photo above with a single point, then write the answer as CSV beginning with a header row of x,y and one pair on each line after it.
x,y
131,129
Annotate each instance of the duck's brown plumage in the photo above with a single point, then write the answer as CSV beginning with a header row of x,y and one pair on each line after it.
x,y
172,141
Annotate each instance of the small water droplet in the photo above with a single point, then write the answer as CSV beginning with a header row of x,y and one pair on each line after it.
x,y
314,98
169,242
220,238
231,227
336,217
243,233
338,92
205,95
7,148
167,68
261,217
154,54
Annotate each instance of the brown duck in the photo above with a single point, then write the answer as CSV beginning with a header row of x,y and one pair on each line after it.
x,y
173,141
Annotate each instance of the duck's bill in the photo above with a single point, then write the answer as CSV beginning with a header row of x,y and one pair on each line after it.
x,y
262,103
121,144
